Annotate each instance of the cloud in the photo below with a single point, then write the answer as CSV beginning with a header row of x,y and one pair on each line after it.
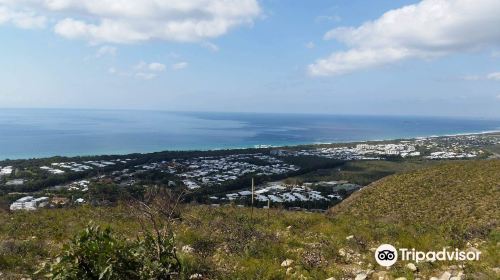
x,y
334,18
142,70
494,76
153,66
180,65
352,60
210,46
472,78
106,50
21,19
156,67
145,76
429,29
310,45
118,21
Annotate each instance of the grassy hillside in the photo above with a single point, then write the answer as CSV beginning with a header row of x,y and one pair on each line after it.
x,y
463,195
454,204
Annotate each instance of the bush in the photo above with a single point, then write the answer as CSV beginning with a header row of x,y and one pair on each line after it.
x,y
99,254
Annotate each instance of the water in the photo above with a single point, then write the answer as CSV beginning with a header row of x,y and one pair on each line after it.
x,y
28,133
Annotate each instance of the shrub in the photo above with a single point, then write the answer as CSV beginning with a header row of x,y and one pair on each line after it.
x,y
98,254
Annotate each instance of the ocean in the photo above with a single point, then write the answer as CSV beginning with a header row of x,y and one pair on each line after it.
x,y
34,133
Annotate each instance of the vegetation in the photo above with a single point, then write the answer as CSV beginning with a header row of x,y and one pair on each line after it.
x,y
461,195
363,172
452,204
99,254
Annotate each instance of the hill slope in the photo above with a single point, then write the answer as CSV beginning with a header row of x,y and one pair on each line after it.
x,y
453,204
463,195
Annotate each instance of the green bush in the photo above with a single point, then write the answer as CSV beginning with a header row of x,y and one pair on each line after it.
x,y
98,254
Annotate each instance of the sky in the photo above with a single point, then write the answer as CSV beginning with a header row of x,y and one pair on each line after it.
x,y
383,57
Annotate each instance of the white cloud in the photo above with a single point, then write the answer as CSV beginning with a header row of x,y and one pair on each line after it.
x,y
141,65
472,78
106,50
21,19
145,76
153,66
118,21
142,70
334,18
310,45
156,67
352,60
211,46
429,29
494,76
180,65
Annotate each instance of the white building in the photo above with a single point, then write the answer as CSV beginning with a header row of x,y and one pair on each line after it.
x,y
7,170
29,203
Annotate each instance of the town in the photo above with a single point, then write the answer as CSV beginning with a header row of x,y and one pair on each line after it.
x,y
220,177
279,192
446,147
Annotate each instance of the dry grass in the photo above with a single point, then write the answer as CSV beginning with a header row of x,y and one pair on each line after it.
x,y
462,195
448,205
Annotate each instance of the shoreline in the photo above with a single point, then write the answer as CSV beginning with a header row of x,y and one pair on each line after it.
x,y
255,147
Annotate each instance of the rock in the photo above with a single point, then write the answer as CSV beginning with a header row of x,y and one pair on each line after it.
x,y
342,252
455,278
196,276
401,278
411,267
331,278
380,275
445,276
346,256
361,276
496,270
287,262
289,227
289,271
472,249
187,249
433,278
460,275
349,237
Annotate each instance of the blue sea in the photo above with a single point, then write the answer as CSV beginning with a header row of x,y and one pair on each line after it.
x,y
30,133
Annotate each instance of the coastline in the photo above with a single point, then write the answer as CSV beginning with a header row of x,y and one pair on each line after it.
x,y
255,147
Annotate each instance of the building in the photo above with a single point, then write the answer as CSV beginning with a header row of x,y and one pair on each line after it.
x,y
29,203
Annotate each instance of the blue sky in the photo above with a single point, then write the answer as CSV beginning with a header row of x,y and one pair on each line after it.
x,y
432,57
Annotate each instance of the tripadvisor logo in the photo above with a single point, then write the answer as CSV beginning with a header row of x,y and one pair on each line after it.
x,y
387,255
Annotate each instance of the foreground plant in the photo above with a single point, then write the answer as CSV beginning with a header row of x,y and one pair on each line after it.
x,y
99,254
